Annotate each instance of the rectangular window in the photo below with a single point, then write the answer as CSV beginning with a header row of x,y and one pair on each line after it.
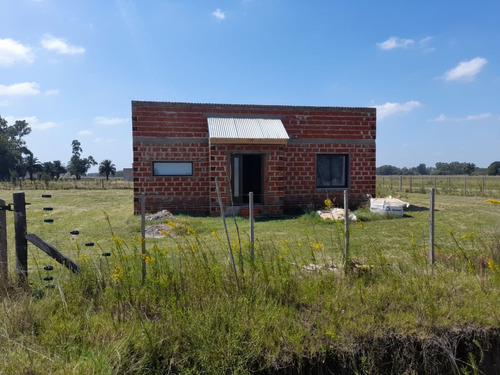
x,y
172,168
332,171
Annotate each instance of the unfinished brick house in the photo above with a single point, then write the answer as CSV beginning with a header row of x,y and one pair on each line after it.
x,y
291,157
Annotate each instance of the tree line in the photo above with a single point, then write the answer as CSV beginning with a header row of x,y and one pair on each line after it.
x,y
447,169
18,162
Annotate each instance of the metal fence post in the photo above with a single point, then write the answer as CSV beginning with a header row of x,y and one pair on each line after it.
x,y
431,227
250,214
346,236
143,236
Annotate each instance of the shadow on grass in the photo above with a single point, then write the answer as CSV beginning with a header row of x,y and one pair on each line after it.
x,y
414,208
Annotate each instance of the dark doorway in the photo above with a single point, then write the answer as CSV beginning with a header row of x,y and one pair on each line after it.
x,y
247,177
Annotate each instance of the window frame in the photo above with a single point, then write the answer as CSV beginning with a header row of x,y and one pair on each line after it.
x,y
346,172
173,174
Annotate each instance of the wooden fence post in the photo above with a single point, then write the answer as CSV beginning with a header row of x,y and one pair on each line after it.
x,y
20,236
4,274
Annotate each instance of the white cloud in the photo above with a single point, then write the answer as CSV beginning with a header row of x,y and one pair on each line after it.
x,y
466,71
84,132
60,46
51,92
443,118
424,44
101,120
219,14
12,52
389,109
20,89
33,122
395,42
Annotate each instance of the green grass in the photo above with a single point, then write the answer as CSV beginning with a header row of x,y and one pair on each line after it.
x,y
190,317
450,185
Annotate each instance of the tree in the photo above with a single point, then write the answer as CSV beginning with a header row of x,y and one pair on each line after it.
x,y
12,148
106,168
58,169
494,169
469,168
422,169
54,169
32,165
386,170
78,166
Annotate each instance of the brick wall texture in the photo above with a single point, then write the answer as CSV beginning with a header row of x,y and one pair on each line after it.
x,y
164,131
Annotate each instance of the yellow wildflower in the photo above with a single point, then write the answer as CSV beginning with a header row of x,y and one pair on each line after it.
x,y
148,259
328,204
116,273
492,265
493,201
317,245
84,258
468,235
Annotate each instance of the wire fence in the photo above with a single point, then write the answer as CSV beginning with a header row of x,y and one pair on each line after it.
x,y
450,185
68,184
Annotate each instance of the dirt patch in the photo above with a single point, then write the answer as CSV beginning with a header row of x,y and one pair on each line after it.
x,y
157,231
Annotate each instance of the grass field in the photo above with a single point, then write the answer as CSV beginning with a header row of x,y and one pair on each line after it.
x,y
451,185
87,211
189,316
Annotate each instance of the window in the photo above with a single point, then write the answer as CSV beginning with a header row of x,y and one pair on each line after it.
x,y
172,168
332,171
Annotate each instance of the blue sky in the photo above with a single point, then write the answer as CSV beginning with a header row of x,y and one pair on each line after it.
x,y
431,68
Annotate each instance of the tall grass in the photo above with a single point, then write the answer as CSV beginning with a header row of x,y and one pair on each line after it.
x,y
295,309
189,316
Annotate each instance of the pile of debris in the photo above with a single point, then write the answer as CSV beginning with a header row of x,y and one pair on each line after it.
x,y
161,215
159,230
336,214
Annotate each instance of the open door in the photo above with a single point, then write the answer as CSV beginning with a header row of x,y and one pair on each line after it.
x,y
247,177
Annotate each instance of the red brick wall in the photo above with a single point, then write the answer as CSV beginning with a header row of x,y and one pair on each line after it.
x,y
179,132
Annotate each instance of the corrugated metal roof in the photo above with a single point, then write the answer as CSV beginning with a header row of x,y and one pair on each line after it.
x,y
246,130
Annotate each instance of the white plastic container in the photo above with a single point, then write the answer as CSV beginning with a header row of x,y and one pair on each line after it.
x,y
388,205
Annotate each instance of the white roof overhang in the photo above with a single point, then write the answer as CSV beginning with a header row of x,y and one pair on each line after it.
x,y
246,130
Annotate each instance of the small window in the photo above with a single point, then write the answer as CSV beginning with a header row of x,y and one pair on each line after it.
x,y
332,171
172,168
